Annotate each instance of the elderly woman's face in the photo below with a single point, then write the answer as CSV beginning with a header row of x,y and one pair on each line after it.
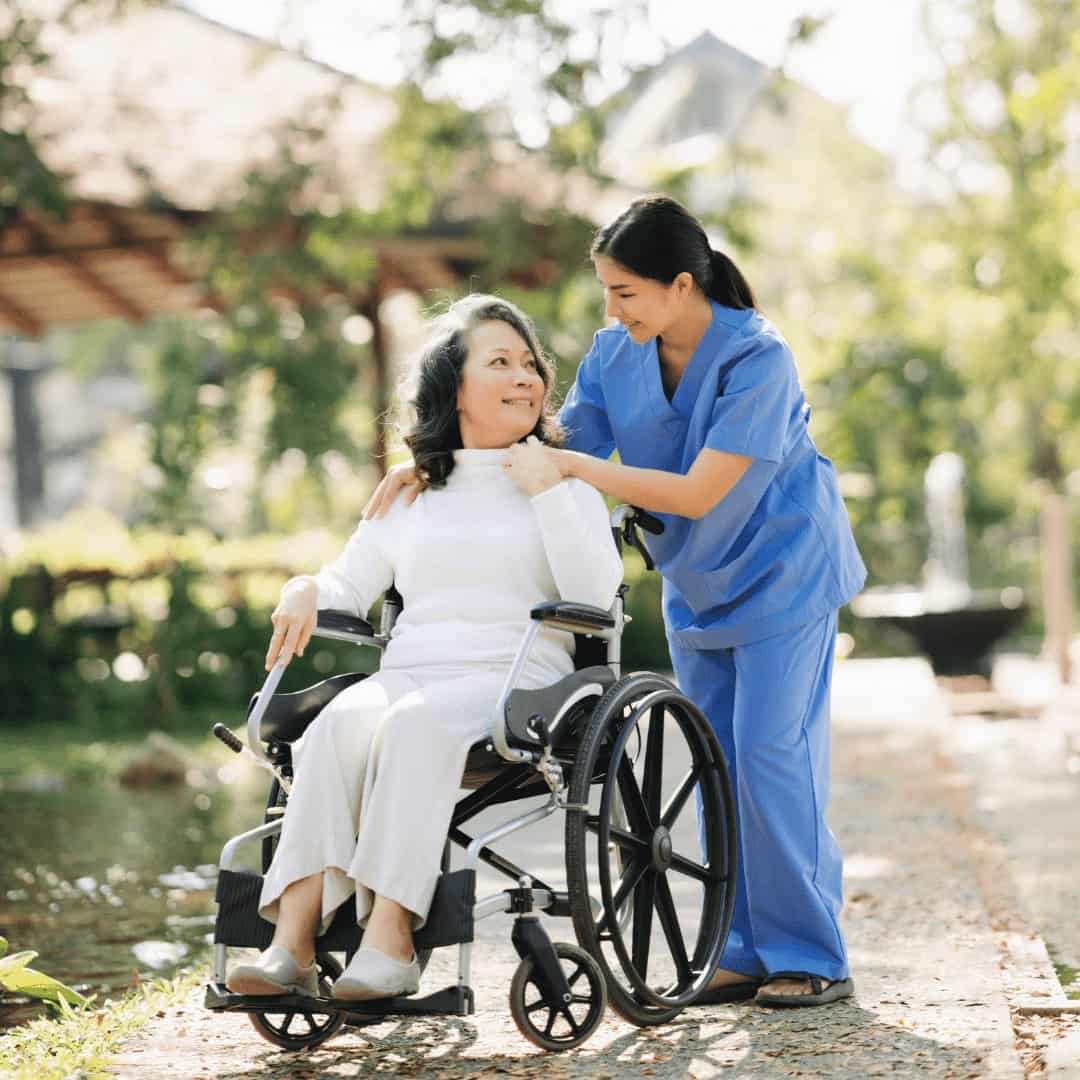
x,y
501,390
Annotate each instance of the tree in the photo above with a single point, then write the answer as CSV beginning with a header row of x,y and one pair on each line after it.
x,y
1009,292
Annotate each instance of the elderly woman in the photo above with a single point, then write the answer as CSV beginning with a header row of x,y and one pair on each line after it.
x,y
380,768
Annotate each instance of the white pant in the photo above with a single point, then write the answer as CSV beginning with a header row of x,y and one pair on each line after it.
x,y
377,779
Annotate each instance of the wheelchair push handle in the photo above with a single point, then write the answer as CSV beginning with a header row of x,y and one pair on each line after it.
x,y
625,522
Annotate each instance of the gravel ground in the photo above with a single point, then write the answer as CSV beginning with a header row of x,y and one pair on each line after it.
x,y
924,934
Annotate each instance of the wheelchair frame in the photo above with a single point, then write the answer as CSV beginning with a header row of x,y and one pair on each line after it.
x,y
522,743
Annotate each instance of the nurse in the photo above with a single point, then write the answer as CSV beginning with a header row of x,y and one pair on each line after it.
x,y
700,396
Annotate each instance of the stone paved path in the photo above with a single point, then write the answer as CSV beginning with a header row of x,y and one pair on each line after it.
x,y
932,999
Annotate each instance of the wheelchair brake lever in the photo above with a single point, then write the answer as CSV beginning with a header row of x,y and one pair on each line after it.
x,y
633,538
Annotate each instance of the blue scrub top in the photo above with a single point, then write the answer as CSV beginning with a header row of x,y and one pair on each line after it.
x,y
777,551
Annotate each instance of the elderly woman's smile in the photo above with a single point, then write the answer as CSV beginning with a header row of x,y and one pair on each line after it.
x,y
502,390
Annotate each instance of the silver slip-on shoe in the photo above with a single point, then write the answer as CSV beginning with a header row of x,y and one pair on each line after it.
x,y
274,971
372,974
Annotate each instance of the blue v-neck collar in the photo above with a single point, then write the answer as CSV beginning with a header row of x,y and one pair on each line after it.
x,y
681,405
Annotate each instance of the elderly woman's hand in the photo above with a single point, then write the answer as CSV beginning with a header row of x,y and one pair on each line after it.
x,y
294,620
533,466
400,480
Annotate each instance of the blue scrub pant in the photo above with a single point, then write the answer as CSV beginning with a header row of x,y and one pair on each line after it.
x,y
768,702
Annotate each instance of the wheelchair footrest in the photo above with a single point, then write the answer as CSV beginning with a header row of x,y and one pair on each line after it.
x,y
452,1001
450,920
221,999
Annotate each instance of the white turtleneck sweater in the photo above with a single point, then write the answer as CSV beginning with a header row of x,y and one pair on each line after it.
x,y
471,560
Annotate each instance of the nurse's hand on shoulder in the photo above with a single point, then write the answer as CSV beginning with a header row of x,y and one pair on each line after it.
x,y
532,466
400,480
294,620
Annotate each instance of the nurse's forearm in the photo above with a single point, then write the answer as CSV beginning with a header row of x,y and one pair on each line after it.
x,y
692,495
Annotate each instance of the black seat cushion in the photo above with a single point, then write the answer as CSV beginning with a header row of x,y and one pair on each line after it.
x,y
288,715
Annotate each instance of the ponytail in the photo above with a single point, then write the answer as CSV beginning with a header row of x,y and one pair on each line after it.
x,y
656,237
728,286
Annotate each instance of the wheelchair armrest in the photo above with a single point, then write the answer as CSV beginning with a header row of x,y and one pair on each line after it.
x,y
577,618
341,622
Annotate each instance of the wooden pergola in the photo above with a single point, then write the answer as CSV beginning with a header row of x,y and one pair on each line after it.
x,y
156,118
106,262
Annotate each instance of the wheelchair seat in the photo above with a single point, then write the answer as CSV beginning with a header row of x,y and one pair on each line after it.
x,y
287,716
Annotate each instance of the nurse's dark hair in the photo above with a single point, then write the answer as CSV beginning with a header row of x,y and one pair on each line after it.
x,y
429,391
656,237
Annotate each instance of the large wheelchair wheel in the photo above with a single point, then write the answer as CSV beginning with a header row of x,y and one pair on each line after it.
x,y
634,856
303,1030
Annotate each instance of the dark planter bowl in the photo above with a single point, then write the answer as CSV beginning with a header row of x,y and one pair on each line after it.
x,y
956,640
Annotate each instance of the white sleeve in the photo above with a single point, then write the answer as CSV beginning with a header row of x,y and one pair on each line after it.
x,y
577,538
361,573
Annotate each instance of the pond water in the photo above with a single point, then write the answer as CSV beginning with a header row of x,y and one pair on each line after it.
x,y
111,885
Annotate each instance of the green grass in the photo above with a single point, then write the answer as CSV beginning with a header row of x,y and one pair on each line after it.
x,y
1067,976
79,1042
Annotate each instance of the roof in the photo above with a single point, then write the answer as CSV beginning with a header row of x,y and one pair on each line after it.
x,y
158,116
164,103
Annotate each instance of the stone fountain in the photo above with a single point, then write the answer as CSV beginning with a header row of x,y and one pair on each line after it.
x,y
953,624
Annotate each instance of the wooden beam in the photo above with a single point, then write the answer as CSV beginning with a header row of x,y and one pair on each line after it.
x,y
119,304
74,264
19,317
156,255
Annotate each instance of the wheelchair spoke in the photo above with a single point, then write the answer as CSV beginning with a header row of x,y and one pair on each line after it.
x,y
681,865
621,836
636,813
644,897
654,763
628,840
678,799
575,1027
535,1006
552,1017
287,1022
629,880
669,920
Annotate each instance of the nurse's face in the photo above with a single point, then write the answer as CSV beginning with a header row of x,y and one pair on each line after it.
x,y
501,391
646,307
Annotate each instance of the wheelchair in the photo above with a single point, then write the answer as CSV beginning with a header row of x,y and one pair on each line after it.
x,y
621,756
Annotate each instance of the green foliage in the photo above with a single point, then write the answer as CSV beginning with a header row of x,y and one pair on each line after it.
x,y
17,977
80,1041
1009,300
148,630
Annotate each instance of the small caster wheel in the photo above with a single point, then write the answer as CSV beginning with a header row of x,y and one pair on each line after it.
x,y
303,1030
571,1024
